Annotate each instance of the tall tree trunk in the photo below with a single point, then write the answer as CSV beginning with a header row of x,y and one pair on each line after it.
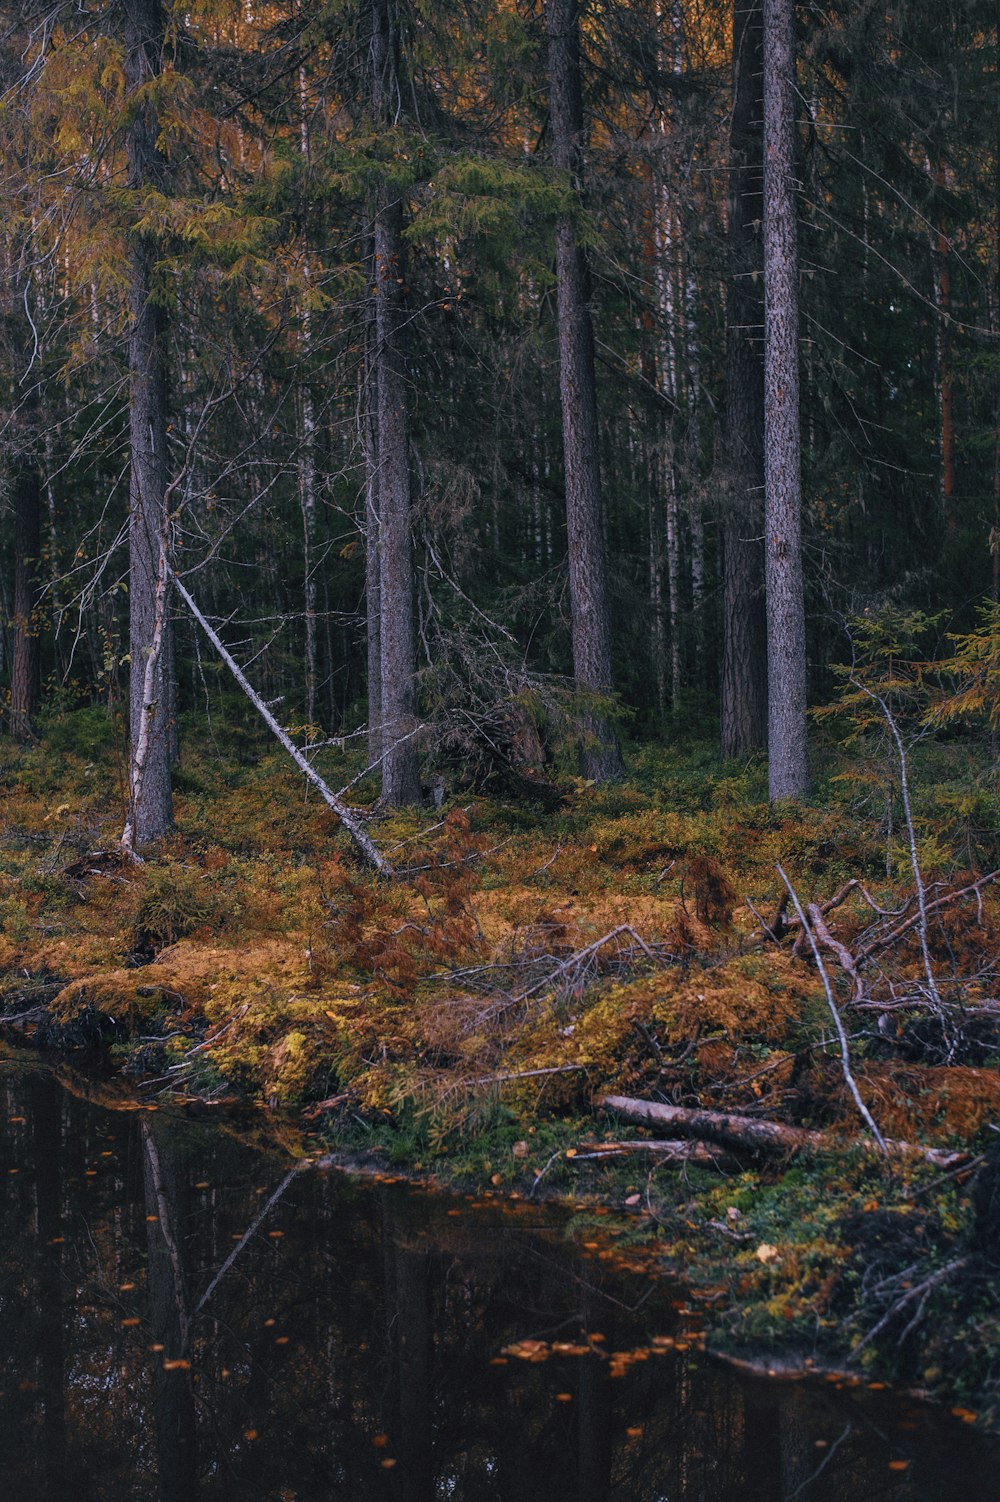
x,y
307,503
941,246
601,757
368,400
150,802
995,537
400,763
307,443
744,649
788,772
25,667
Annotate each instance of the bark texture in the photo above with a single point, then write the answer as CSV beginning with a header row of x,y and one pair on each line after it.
x,y
151,807
373,587
400,764
744,652
25,685
749,1132
788,774
601,757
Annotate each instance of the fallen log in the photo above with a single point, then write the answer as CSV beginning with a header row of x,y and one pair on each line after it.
x,y
751,1134
698,1154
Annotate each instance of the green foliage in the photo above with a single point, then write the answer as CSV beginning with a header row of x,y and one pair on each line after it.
x,y
970,676
176,899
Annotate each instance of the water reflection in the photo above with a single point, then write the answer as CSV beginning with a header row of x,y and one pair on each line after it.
x,y
351,1346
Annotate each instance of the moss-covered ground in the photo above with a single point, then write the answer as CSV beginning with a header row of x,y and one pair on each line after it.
x,y
531,956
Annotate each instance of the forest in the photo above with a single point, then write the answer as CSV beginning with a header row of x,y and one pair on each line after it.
x,y
500,632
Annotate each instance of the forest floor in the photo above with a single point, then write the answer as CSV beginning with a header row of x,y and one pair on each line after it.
x,y
535,955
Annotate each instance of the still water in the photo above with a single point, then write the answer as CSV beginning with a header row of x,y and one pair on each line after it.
x,y
182,1318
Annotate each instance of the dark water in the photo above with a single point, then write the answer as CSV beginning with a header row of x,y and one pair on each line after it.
x,y
352,1348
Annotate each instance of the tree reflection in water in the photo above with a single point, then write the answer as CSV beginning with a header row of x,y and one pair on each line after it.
x,y
351,1347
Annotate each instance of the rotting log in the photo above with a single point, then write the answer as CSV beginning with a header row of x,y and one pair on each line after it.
x,y
751,1134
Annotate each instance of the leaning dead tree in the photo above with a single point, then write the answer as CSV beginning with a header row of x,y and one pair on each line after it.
x,y
347,816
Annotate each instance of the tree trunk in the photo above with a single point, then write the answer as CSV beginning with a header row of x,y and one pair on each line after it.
x,y
994,539
373,591
601,757
941,247
788,773
150,802
744,645
307,444
400,763
307,503
25,667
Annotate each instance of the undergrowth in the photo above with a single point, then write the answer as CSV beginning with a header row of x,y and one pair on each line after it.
x,y
462,1018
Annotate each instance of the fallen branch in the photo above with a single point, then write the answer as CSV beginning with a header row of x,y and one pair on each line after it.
x,y
845,1053
919,1292
754,1135
347,816
841,953
884,941
525,1074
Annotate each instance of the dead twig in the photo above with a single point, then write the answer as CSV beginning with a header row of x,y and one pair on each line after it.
x,y
886,941
845,1053
525,1074
842,954
920,1291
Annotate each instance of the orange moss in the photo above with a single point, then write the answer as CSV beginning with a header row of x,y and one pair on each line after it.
x,y
932,1103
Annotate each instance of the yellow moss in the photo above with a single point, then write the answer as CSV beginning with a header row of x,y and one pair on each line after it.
x,y
122,995
291,1065
753,997
647,840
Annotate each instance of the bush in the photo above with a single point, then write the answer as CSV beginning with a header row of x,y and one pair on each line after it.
x,y
176,900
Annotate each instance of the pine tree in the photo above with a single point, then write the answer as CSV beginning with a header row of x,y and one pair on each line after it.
x,y
601,757
744,677
788,772
397,647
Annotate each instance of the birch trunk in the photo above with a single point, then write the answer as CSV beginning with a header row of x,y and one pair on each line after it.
x,y
150,801
788,774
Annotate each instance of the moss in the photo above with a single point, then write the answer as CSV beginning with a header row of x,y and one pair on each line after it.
x,y
463,1016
